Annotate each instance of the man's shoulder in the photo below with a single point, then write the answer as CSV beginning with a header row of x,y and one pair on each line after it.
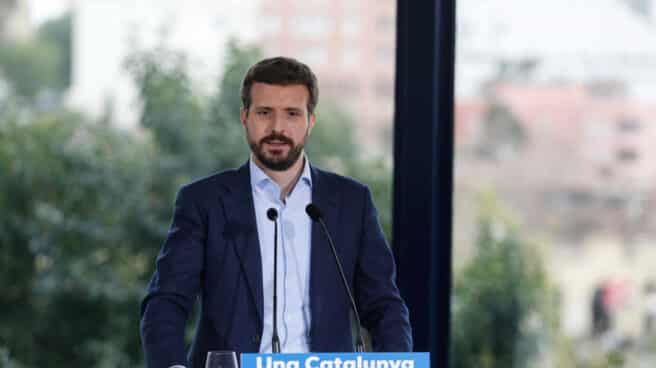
x,y
335,180
212,183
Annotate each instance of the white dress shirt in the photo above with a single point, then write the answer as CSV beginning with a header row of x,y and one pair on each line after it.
x,y
294,228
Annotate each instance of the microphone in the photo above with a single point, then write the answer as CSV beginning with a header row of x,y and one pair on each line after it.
x,y
315,214
272,214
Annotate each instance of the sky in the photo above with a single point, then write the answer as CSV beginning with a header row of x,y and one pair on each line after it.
x,y
42,10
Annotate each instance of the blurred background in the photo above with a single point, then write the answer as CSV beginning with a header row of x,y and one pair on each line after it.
x,y
107,107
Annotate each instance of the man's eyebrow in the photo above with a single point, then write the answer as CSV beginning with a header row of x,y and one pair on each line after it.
x,y
293,109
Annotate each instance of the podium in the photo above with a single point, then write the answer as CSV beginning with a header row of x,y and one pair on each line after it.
x,y
336,360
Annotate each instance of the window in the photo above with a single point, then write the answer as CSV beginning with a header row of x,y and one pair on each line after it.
x,y
350,56
627,155
133,99
384,54
385,23
385,88
314,55
351,26
577,231
312,25
269,25
628,125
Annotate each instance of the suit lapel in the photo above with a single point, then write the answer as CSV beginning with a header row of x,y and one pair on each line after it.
x,y
241,219
324,197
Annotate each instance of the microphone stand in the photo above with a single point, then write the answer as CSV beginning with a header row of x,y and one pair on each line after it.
x,y
315,215
272,214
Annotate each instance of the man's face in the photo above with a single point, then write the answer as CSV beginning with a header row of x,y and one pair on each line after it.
x,y
277,124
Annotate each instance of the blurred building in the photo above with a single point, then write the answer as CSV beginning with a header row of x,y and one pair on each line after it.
x,y
105,33
559,40
555,108
350,45
584,161
643,8
14,20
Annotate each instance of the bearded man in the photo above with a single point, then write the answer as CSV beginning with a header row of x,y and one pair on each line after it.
x,y
220,249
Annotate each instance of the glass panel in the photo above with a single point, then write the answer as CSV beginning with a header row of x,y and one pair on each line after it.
x,y
108,107
555,184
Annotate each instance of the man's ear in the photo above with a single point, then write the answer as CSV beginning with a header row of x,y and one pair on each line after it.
x,y
243,115
311,121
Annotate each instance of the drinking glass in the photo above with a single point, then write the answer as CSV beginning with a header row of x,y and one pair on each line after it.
x,y
221,359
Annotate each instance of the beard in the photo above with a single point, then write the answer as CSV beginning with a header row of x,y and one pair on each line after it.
x,y
276,161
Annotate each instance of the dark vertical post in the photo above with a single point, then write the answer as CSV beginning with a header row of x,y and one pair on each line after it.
x,y
423,172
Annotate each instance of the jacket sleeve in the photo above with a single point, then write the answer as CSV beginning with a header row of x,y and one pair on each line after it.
x,y
382,310
174,286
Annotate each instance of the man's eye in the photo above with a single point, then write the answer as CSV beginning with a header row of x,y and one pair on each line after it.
x,y
262,112
294,113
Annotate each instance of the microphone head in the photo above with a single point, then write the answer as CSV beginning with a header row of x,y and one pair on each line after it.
x,y
272,214
313,212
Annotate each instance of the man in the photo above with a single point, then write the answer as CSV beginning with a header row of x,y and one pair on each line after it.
x,y
220,244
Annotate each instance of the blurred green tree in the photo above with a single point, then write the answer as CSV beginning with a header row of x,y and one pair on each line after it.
x,y
58,33
226,104
69,192
501,315
41,64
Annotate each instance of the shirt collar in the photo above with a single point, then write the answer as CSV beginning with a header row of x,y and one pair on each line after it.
x,y
260,179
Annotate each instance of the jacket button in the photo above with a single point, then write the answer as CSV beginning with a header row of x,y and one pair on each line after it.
x,y
256,339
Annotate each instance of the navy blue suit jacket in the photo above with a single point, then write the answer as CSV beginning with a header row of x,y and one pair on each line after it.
x,y
212,253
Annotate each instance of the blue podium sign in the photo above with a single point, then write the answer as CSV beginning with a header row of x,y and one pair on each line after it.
x,y
336,360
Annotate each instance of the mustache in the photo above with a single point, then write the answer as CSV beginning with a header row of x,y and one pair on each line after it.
x,y
277,137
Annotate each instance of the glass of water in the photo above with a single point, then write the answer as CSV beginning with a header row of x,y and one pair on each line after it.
x,y
221,359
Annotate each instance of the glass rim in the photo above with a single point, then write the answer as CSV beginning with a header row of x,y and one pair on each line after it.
x,y
221,352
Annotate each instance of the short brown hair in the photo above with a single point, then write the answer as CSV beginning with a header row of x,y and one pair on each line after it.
x,y
280,71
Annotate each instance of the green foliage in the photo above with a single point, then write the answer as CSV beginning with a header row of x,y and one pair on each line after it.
x,y
331,141
6,360
579,354
29,67
58,33
195,135
227,103
377,174
499,317
171,112
69,246
41,64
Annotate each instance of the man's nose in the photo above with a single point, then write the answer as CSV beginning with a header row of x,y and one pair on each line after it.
x,y
278,122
